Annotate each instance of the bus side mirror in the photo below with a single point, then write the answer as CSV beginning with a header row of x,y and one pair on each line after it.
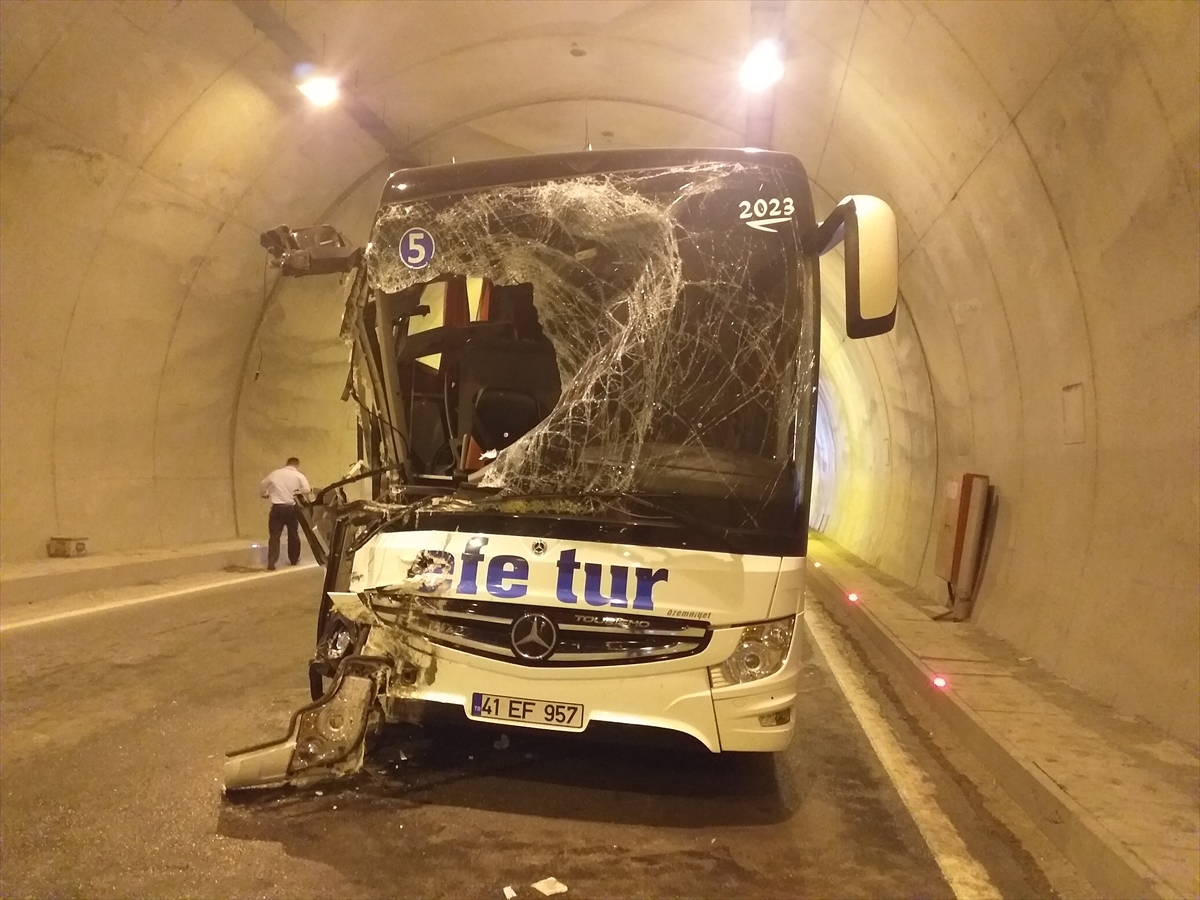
x,y
868,227
321,250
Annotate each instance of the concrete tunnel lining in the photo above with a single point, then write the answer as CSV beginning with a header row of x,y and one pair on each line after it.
x,y
1042,160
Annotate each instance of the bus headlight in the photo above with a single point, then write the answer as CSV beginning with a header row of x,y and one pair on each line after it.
x,y
761,651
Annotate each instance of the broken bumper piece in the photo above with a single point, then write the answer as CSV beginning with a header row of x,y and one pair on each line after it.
x,y
326,739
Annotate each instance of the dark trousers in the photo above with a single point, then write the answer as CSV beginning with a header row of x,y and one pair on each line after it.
x,y
283,514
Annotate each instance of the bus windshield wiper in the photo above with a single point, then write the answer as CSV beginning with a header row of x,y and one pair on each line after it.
x,y
680,518
614,501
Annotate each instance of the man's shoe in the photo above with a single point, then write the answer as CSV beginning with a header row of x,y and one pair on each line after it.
x,y
270,568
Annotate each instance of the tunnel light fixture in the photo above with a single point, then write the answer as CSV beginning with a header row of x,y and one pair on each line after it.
x,y
321,90
940,682
852,597
762,68
816,565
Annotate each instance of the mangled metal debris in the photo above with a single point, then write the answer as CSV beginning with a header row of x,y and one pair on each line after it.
x,y
326,739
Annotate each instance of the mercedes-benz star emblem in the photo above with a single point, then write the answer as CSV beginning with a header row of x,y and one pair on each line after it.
x,y
533,636
539,547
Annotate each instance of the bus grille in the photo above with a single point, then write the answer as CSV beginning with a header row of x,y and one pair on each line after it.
x,y
581,638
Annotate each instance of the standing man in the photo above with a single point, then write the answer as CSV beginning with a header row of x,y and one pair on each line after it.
x,y
281,488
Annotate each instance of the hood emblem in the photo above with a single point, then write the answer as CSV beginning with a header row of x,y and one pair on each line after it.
x,y
533,636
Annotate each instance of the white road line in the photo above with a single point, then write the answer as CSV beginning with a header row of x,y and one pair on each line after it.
x,y
966,877
149,598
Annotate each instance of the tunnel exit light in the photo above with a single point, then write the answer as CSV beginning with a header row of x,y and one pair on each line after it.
x,y
762,68
320,90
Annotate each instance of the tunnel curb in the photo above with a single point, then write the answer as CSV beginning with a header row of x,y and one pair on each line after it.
x,y
86,603
94,573
1110,867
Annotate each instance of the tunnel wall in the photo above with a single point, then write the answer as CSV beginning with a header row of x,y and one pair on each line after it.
x,y
1042,159
145,146
1048,329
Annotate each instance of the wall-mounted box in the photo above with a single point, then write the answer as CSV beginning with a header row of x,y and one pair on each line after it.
x,y
66,546
964,510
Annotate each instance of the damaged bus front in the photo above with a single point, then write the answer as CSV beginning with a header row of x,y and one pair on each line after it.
x,y
586,386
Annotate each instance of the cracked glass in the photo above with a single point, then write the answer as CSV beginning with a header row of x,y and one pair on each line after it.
x,y
680,335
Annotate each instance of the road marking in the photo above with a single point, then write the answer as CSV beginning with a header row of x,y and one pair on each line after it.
x,y
964,874
149,598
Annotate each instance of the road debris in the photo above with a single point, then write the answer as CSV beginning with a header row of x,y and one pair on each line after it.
x,y
509,893
550,886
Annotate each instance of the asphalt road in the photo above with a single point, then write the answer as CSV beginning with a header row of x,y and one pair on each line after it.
x,y
113,727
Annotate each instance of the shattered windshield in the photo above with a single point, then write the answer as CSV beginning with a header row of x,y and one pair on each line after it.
x,y
671,322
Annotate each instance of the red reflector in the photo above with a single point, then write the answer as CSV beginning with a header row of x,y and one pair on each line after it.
x,y
939,681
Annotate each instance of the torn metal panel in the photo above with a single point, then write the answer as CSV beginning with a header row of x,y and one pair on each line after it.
x,y
325,739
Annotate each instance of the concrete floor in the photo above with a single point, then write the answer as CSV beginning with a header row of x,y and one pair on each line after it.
x,y
115,724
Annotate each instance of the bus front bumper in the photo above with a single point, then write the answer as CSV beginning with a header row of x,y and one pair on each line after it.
x,y
327,738
679,696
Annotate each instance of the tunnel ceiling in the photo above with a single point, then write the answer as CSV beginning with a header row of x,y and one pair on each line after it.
x,y
1041,157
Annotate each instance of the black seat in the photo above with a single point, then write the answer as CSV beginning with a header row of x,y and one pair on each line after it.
x,y
502,416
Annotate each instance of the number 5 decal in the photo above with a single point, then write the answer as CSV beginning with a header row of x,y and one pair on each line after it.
x,y
416,248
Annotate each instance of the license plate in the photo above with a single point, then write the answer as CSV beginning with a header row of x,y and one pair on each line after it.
x,y
542,713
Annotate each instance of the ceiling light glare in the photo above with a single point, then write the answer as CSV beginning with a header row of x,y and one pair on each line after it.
x,y
320,90
762,68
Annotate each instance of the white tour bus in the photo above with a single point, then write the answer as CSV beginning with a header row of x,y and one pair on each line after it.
x,y
586,386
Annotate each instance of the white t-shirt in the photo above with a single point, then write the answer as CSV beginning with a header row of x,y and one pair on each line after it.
x,y
282,485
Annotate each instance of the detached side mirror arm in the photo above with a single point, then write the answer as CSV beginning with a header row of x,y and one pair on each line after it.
x,y
321,250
